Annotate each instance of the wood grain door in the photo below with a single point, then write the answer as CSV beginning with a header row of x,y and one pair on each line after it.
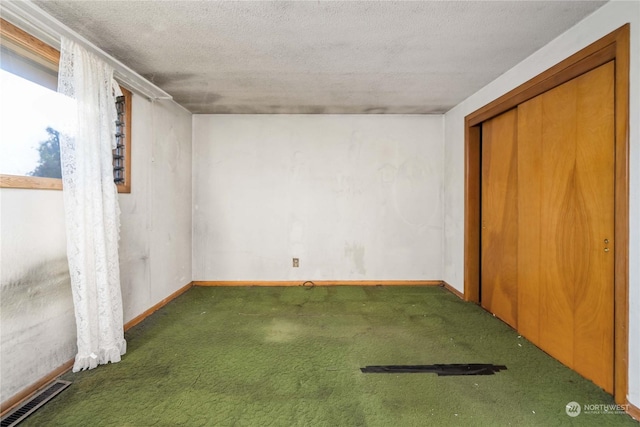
x,y
499,234
565,225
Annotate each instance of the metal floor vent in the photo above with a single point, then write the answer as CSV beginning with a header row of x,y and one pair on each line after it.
x,y
28,407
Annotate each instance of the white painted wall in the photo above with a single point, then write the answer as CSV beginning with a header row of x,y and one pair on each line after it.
x,y
155,233
354,197
38,330
37,321
603,21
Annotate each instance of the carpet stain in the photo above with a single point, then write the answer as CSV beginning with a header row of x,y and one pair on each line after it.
x,y
280,330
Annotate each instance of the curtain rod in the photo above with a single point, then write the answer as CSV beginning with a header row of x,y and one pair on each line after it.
x,y
37,22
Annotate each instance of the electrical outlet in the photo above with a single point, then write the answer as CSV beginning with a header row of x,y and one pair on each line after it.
x,y
296,262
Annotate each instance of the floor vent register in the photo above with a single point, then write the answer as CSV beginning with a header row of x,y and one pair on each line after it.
x,y
28,407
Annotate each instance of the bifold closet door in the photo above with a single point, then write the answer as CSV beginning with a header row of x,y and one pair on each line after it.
x,y
499,234
565,264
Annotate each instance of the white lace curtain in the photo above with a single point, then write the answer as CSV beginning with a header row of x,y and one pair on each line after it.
x,y
91,206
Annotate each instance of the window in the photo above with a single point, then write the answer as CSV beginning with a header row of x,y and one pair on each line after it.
x,y
31,112
122,153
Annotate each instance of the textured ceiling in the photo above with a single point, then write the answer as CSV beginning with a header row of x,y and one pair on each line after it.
x,y
320,56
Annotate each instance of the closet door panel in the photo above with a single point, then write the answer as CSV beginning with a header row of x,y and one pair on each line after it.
x,y
530,210
595,163
566,218
561,225
500,217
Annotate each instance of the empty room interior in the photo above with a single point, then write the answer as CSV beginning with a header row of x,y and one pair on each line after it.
x,y
320,212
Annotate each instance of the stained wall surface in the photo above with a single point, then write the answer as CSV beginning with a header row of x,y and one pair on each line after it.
x,y
155,246
606,19
353,197
36,309
37,324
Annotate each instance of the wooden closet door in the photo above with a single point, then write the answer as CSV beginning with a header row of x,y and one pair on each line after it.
x,y
566,223
500,217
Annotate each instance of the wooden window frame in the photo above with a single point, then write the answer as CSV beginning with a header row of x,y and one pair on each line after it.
x,y
52,55
614,46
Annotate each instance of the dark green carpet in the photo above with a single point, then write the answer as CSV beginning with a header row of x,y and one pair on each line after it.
x,y
291,357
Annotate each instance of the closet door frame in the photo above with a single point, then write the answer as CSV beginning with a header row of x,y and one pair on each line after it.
x,y
614,46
